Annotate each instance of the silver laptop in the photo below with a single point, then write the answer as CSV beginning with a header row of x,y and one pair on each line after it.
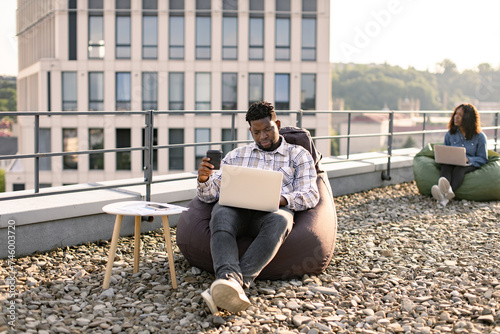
x,y
250,188
450,155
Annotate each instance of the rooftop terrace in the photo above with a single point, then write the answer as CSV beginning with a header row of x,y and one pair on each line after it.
x,y
402,264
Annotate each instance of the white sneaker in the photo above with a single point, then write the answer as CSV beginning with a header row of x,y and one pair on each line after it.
x,y
445,188
209,301
438,196
229,295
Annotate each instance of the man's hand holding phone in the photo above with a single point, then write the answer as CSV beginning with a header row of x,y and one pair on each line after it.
x,y
208,164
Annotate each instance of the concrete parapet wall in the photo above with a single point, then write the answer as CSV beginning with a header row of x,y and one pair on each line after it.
x,y
49,222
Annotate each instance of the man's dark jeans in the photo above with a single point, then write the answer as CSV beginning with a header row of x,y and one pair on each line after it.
x,y
269,230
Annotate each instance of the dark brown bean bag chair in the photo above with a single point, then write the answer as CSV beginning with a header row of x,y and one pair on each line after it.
x,y
308,248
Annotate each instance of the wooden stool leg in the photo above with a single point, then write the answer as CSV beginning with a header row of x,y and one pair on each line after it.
x,y
137,243
112,251
170,252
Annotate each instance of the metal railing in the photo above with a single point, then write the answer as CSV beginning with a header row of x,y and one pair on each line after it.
x,y
148,148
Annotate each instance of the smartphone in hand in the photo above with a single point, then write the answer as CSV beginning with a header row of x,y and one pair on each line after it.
x,y
215,157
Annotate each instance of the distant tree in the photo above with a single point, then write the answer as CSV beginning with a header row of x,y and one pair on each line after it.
x,y
334,143
409,143
8,98
2,181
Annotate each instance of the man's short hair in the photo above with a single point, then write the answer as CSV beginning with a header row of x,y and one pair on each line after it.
x,y
260,110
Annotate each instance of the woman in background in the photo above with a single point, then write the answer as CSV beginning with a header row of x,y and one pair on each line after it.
x,y
464,131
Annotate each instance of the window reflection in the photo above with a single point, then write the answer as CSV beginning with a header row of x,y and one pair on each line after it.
x,y
176,91
69,91
96,91
202,91
123,37
70,144
256,38
150,37
308,39
230,38
282,91
123,91
149,91
255,87
229,91
282,39
308,91
176,36
203,36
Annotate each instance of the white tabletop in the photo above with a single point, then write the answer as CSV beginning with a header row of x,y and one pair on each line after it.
x,y
139,208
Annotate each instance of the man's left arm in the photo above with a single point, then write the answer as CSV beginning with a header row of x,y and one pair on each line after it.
x,y
305,193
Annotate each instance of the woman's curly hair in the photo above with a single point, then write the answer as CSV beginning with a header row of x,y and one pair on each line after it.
x,y
470,121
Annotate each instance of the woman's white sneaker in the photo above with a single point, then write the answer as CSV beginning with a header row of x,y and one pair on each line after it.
x,y
438,195
445,188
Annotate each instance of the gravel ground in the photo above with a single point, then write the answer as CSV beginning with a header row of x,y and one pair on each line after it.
x,y
402,265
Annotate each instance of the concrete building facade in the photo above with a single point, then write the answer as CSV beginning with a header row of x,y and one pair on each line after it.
x,y
133,55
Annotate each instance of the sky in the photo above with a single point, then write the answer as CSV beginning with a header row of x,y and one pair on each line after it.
x,y
407,33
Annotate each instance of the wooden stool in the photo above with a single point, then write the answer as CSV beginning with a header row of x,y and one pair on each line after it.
x,y
138,209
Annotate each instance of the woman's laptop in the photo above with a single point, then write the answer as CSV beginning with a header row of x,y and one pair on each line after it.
x,y
450,155
250,188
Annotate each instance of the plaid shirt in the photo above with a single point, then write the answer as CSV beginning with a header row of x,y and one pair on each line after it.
x,y
295,162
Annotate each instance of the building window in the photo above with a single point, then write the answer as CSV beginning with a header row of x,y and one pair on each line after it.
x,y
96,36
72,30
256,5
155,151
201,135
282,91
229,37
176,91
96,91
149,91
230,29
229,91
256,38
176,29
45,146
18,186
309,6
123,37
308,92
227,135
203,29
308,38
150,4
176,37
123,140
202,91
176,154
282,38
149,37
203,37
255,87
96,142
69,91
70,144
123,91
283,5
